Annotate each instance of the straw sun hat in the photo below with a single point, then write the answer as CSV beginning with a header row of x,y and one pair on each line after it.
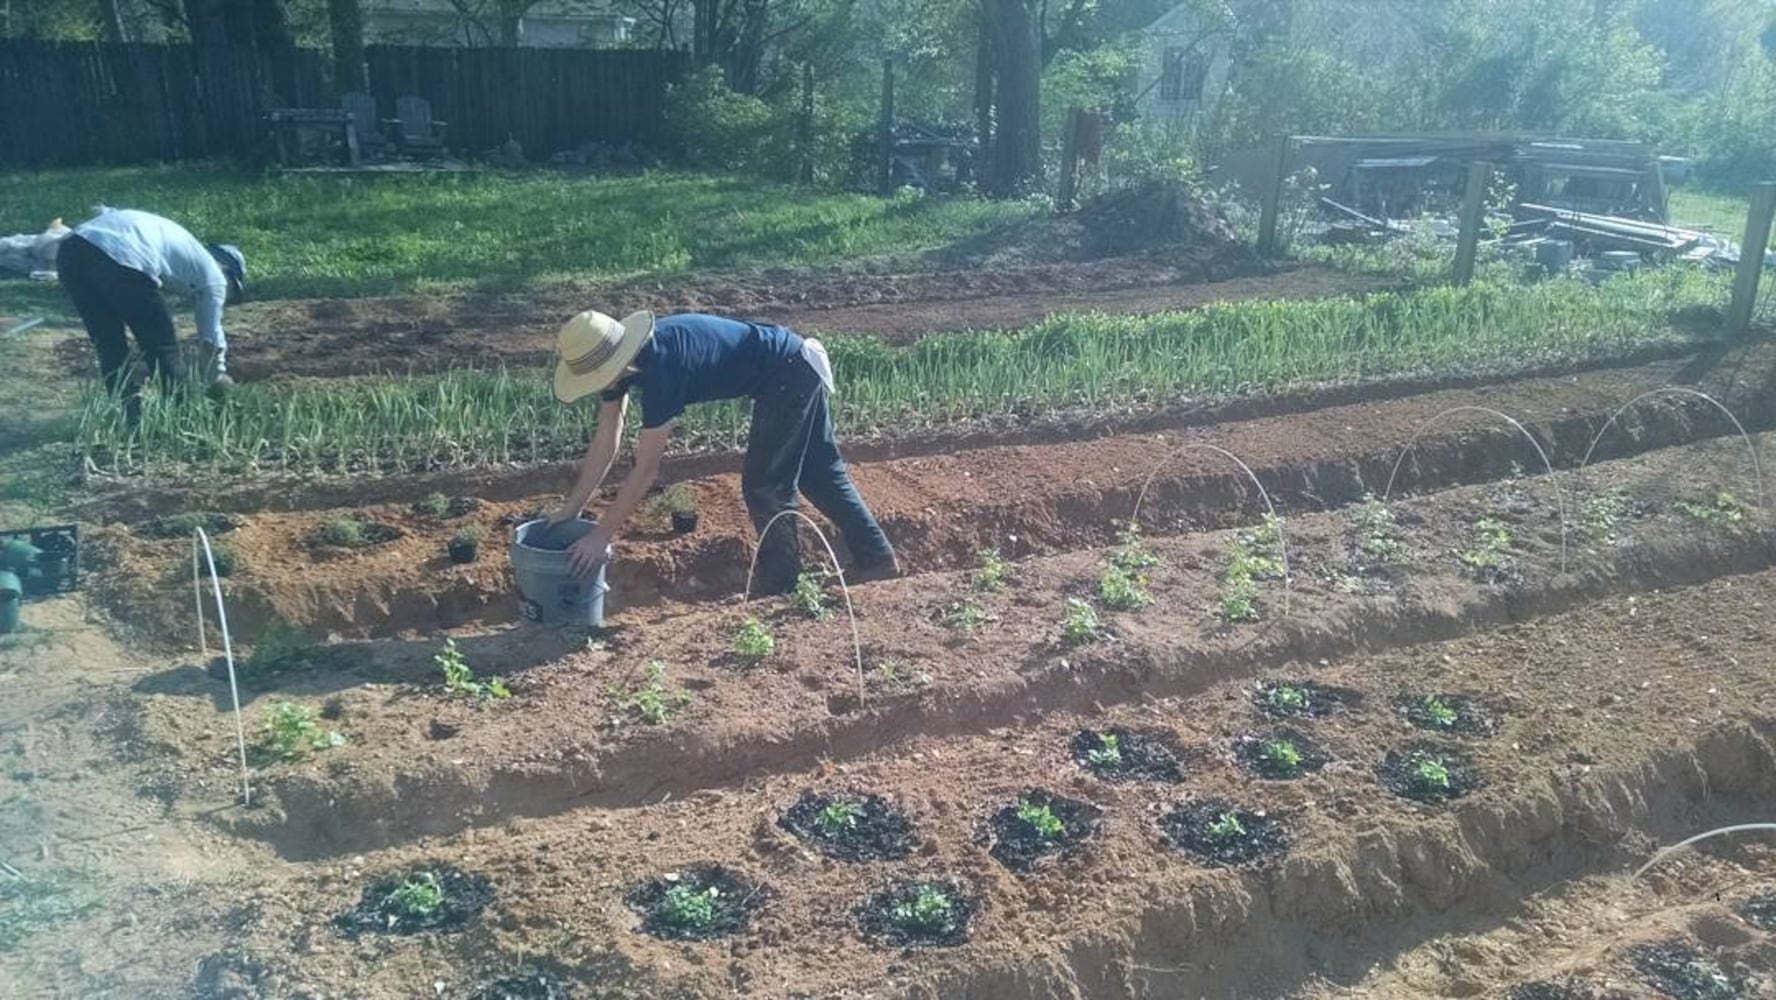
x,y
592,350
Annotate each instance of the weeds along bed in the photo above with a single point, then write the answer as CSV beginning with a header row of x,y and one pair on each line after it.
x,y
1092,362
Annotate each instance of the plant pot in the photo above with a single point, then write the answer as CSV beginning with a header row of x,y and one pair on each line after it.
x,y
462,552
684,524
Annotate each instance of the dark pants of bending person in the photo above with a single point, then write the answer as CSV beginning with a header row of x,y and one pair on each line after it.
x,y
110,297
791,449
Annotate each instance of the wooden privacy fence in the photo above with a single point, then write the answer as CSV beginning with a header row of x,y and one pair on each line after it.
x,y
75,103
548,99
71,103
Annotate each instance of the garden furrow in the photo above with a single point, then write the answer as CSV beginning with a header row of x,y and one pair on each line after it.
x,y
566,743
1023,500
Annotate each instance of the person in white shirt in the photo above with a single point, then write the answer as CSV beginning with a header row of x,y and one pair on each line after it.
x,y
115,267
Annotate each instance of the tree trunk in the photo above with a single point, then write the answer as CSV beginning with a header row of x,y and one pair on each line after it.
x,y
1017,105
346,17
111,18
983,86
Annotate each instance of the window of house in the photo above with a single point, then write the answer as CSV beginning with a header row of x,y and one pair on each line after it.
x,y
1181,76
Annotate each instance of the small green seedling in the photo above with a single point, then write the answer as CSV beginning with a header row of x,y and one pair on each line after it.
x,y
839,816
991,572
291,732
656,700
1081,624
809,597
1492,539
964,615
1428,772
1108,752
415,899
460,679
343,532
1724,509
685,906
224,557
469,535
1239,602
1130,553
930,909
1040,819
1281,755
675,499
753,641
1123,589
1258,550
1226,828
1287,698
1603,516
1438,712
432,505
1377,533
280,647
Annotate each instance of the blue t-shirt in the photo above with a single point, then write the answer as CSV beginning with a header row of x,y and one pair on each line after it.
x,y
693,358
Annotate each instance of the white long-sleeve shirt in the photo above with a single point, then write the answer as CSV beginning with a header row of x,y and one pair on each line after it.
x,y
165,251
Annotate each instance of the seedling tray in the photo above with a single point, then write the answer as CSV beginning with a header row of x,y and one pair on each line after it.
x,y
57,570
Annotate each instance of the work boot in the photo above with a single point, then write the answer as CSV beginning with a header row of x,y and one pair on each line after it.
x,y
880,569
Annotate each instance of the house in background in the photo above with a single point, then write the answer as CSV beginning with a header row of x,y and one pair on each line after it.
x,y
551,24
1186,56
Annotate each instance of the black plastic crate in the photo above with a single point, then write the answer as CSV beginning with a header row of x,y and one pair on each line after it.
x,y
57,569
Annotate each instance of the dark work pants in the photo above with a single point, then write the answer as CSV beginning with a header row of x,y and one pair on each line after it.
x,y
791,448
109,298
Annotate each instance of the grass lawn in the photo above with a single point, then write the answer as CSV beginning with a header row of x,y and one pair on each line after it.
x,y
313,236
1722,214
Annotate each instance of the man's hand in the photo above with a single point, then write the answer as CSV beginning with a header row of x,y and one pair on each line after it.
x,y
585,555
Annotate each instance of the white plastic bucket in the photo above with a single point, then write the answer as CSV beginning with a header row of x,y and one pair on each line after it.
x,y
548,591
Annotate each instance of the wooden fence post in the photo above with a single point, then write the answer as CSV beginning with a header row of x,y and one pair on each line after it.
x,y
1069,187
1751,258
885,169
807,124
1473,216
1271,205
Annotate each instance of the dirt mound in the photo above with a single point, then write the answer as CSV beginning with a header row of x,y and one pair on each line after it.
x,y
1155,218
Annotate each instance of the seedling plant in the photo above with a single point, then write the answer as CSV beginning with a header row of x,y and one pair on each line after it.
x,y
1123,589
1429,772
991,572
688,907
656,700
964,615
701,903
1108,753
459,678
1081,624
1038,826
1255,557
1487,551
1602,516
1438,712
438,897
1723,510
849,826
291,733
1378,537
930,910
344,533
917,914
839,816
1118,754
418,898
809,596
752,641
1040,819
1131,553
1218,833
1226,828
432,505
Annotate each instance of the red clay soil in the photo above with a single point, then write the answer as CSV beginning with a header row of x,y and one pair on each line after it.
x,y
1625,723
342,337
939,509
563,740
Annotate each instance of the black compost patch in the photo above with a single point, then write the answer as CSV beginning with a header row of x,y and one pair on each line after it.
x,y
1222,835
1451,714
1020,846
1760,911
1133,757
464,896
1429,772
1292,699
181,525
849,826
894,917
523,986
731,902
1267,754
1680,971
